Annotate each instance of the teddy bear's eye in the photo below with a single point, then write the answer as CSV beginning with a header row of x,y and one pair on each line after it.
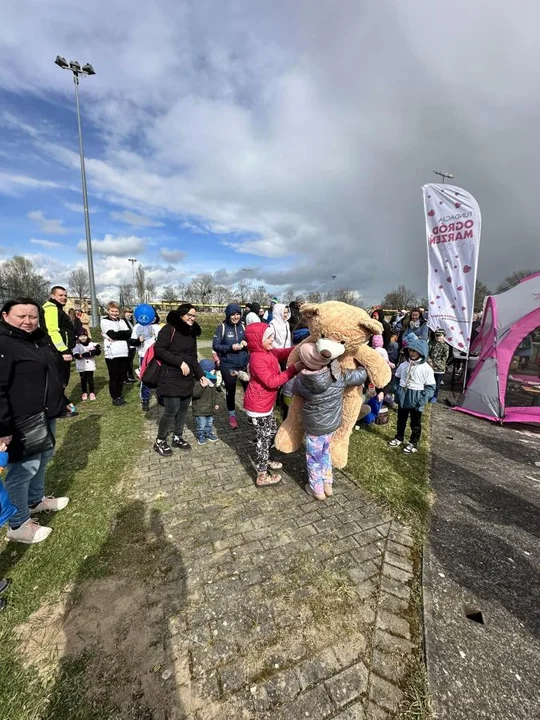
x,y
343,342
322,337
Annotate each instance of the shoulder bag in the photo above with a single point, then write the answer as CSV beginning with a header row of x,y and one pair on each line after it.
x,y
32,435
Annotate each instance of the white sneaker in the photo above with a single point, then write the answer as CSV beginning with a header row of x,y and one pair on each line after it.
x,y
29,533
395,442
50,504
410,448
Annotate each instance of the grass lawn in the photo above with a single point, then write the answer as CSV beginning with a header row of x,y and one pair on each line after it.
x,y
398,480
209,322
93,451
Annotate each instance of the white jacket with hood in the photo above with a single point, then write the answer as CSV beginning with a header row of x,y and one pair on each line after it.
x,y
281,328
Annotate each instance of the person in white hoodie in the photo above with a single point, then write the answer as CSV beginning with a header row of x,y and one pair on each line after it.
x,y
143,337
281,327
116,335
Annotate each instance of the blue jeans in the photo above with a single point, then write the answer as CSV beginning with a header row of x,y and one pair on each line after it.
x,y
204,426
144,390
438,380
25,482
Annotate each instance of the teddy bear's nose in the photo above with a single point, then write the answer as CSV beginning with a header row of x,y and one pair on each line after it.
x,y
326,354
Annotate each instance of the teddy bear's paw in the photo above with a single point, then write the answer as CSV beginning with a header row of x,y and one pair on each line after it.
x,y
285,441
340,454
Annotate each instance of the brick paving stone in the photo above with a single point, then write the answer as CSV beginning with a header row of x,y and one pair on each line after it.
x,y
254,627
353,712
395,587
393,624
314,669
385,693
314,704
348,684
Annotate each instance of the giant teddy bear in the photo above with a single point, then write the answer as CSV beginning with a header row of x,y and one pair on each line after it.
x,y
352,327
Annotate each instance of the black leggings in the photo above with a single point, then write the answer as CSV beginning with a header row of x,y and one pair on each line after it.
x,y
117,368
230,387
87,381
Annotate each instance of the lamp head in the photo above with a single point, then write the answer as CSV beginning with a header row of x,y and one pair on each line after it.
x,y
74,65
61,62
88,69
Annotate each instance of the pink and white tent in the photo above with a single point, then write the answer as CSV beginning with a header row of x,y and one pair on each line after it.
x,y
505,384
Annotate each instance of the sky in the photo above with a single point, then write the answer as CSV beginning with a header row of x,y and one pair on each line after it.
x,y
284,142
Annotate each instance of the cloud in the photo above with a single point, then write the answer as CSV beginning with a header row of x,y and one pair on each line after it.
x,y
47,225
300,133
13,183
115,245
171,255
195,229
131,218
47,243
79,207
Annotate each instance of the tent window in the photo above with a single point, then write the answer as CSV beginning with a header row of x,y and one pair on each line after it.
x,y
523,385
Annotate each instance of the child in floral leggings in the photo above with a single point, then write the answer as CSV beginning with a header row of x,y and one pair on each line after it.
x,y
322,388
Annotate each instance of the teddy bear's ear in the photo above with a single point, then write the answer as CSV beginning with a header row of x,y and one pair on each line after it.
x,y
374,326
309,310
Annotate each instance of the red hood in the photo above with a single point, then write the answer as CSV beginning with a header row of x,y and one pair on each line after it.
x,y
254,336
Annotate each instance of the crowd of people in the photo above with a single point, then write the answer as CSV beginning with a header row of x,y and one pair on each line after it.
x,y
250,347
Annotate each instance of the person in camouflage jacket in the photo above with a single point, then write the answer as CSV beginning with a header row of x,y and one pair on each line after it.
x,y
438,357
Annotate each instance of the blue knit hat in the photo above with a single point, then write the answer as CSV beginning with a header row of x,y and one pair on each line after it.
x,y
207,366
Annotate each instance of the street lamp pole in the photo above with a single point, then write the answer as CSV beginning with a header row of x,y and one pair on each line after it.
x,y
133,261
333,290
444,175
77,72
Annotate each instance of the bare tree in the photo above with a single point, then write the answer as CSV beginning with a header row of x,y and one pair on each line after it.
x,y
288,295
346,295
150,290
127,295
140,284
144,286
314,297
201,288
481,292
514,279
169,294
18,277
261,295
244,291
401,298
221,294
79,283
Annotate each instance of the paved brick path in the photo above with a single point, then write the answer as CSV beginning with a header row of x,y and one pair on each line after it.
x,y
284,607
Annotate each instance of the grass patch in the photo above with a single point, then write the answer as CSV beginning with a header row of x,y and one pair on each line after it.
x,y
209,322
93,451
398,480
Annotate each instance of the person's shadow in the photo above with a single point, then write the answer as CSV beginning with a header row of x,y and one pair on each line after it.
x,y
115,635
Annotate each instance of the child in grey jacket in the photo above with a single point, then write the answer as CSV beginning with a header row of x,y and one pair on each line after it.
x,y
322,387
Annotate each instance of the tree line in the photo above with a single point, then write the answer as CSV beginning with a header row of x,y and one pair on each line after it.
x,y
19,277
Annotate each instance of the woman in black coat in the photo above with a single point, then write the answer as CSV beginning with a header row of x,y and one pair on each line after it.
x,y
176,349
30,383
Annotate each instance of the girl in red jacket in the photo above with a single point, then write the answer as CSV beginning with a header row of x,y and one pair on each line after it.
x,y
266,378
